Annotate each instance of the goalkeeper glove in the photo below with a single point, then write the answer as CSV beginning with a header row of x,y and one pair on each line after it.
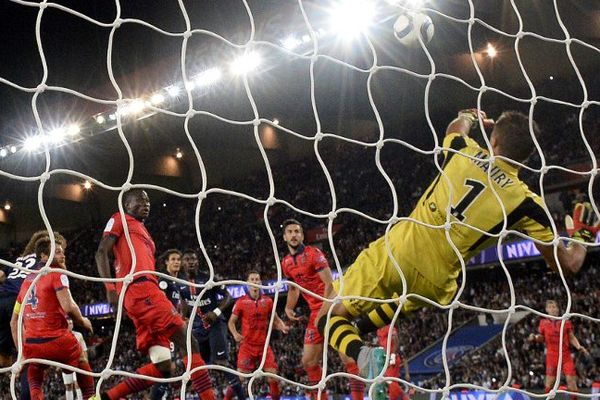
x,y
472,114
584,224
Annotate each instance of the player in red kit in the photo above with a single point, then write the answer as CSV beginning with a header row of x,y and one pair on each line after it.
x,y
308,267
254,311
550,334
45,305
156,320
395,391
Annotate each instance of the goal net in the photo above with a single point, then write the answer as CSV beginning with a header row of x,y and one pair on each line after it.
x,y
236,115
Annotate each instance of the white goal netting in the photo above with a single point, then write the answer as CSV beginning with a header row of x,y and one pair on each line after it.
x,y
296,109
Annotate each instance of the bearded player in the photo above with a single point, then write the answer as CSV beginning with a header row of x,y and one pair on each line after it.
x,y
308,267
476,189
550,334
45,304
254,310
156,320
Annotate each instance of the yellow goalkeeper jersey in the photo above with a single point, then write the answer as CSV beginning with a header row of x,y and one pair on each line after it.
x,y
465,191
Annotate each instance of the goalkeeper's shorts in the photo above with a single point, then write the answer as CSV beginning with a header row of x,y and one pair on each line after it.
x,y
374,275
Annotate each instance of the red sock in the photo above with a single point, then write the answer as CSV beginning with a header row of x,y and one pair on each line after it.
x,y
395,391
86,382
274,389
200,379
357,388
134,385
314,376
35,375
228,393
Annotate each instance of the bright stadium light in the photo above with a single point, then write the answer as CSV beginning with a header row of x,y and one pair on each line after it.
x,y
173,91
87,185
112,116
208,77
56,135
3,153
190,85
245,63
13,149
290,42
491,51
351,17
73,130
100,119
178,154
7,206
275,121
157,99
33,143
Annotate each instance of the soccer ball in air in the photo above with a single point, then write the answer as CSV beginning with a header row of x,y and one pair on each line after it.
x,y
410,26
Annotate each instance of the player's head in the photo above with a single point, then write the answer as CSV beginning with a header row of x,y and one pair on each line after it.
x,y
189,260
43,248
172,261
30,247
293,234
511,138
253,277
552,308
136,203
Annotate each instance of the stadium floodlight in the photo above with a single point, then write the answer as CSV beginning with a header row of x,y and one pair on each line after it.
x,y
73,130
290,42
275,121
348,18
137,106
208,77
173,90
190,85
245,63
7,206
178,154
56,135
32,143
157,99
491,51
3,153
112,116
100,119
13,149
87,185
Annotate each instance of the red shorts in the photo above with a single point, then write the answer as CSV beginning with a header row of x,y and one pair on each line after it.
x,y
568,366
249,358
312,335
153,315
393,370
64,349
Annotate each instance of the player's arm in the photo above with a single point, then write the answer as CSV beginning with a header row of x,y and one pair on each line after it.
x,y
72,309
327,278
466,120
575,343
212,316
280,325
291,301
232,325
103,264
14,323
570,257
406,370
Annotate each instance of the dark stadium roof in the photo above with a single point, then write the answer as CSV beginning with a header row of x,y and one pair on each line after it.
x,y
144,60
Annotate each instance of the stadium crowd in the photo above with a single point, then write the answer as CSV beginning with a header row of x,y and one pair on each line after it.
x,y
236,240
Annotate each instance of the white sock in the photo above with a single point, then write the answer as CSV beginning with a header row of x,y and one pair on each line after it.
x,y
79,394
69,395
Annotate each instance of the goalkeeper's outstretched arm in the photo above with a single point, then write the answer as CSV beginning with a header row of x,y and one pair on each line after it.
x,y
467,120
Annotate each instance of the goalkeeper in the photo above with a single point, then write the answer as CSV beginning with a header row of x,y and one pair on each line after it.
x,y
477,214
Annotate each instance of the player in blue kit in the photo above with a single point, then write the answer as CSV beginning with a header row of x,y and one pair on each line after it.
x,y
209,326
